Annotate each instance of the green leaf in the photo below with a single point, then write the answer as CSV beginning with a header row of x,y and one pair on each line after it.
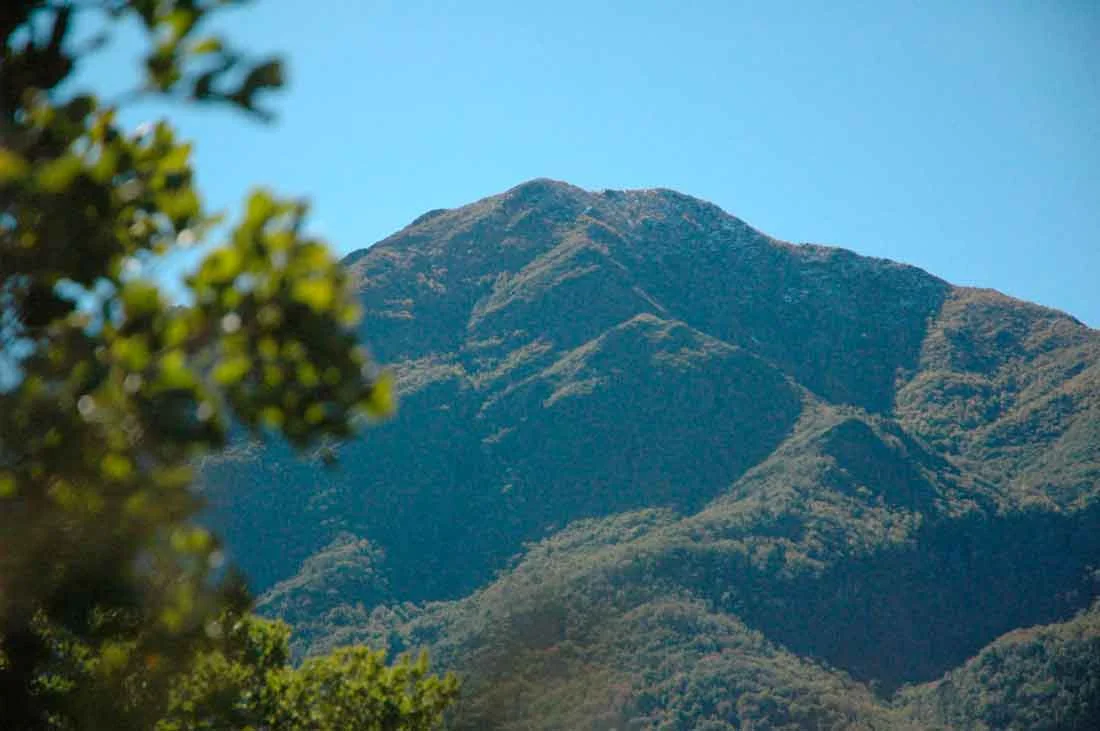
x,y
140,298
317,294
232,369
56,175
181,21
116,466
259,207
382,401
210,44
12,166
174,373
181,206
221,266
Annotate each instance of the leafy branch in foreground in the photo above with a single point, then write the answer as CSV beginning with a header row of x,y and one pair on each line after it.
x,y
114,604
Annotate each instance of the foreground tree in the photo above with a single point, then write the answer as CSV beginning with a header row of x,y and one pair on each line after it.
x,y
115,610
246,683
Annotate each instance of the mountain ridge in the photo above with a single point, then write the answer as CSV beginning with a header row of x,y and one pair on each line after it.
x,y
874,469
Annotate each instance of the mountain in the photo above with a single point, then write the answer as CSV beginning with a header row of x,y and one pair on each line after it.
x,y
656,469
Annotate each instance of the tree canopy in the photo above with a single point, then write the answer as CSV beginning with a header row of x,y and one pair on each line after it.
x,y
116,608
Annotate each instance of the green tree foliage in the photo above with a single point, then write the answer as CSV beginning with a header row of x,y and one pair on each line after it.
x,y
114,605
247,683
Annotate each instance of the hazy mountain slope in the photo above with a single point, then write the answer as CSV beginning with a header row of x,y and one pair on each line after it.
x,y
1035,679
584,634
612,623
855,465
888,587
1012,390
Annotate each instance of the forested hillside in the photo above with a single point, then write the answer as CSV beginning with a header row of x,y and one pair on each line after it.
x,y
655,469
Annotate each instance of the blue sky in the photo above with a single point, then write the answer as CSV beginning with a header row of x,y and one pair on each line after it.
x,y
962,137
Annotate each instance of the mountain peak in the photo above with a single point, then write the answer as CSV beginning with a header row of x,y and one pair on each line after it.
x,y
549,259
543,190
542,187
805,427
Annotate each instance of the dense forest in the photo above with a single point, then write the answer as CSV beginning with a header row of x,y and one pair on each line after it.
x,y
655,469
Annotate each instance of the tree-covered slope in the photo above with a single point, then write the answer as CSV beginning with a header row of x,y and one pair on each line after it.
x,y
799,474
1038,679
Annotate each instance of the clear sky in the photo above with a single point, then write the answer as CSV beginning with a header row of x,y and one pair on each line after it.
x,y
962,137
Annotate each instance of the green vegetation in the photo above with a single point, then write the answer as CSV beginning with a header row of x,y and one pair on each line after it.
x,y
1038,679
655,471
116,611
673,474
247,683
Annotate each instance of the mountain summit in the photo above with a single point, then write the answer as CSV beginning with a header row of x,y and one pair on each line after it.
x,y
582,262
808,458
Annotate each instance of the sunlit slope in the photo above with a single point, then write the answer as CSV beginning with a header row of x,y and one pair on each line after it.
x,y
853,471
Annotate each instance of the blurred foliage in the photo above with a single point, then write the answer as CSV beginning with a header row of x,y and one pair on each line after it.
x,y
112,600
